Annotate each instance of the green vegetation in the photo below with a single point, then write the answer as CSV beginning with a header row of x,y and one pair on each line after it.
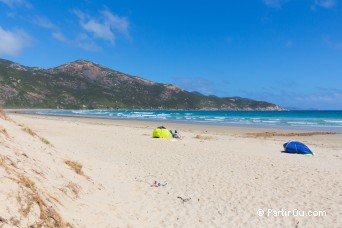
x,y
85,85
45,141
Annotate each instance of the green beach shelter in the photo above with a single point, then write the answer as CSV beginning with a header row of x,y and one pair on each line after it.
x,y
161,132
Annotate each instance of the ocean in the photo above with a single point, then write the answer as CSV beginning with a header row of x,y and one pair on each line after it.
x,y
298,120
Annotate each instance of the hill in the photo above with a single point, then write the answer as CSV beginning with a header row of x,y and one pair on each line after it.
x,y
86,85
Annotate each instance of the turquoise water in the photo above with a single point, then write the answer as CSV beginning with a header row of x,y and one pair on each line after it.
x,y
303,120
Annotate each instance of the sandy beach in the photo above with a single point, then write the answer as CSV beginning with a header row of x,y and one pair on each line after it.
x,y
82,172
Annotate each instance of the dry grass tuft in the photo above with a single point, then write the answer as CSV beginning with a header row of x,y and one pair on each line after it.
x,y
3,163
27,182
29,131
4,132
3,114
204,137
32,133
8,161
55,199
51,219
31,198
75,189
27,205
77,167
48,217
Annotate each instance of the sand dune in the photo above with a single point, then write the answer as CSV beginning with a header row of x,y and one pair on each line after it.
x,y
212,177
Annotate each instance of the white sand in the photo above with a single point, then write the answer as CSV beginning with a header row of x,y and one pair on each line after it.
x,y
223,178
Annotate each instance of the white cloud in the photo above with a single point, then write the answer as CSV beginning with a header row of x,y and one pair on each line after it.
x,y
82,41
328,4
55,31
85,42
82,16
12,42
14,3
105,26
99,30
60,36
43,22
121,24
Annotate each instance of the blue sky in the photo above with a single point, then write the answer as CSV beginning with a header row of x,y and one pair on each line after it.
x,y
288,52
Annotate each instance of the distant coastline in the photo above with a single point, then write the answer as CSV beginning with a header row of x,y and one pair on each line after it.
x,y
87,85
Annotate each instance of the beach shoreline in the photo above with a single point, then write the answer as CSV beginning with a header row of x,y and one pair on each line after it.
x,y
333,138
214,176
247,127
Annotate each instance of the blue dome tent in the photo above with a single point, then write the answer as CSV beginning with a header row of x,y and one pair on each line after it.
x,y
295,147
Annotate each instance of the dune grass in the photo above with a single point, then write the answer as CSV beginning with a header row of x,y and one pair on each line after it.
x,y
29,131
3,164
4,132
74,165
27,182
32,133
74,188
30,196
25,129
3,114
54,198
44,140
48,216
32,200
